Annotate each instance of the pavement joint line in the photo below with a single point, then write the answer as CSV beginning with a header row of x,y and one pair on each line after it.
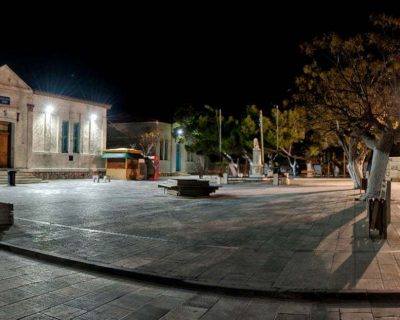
x,y
278,292
119,234
93,230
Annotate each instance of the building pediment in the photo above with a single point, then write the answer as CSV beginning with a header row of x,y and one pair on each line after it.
x,y
9,79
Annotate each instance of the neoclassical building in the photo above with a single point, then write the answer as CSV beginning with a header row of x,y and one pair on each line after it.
x,y
46,134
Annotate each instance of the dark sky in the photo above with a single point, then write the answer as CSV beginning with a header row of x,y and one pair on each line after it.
x,y
149,60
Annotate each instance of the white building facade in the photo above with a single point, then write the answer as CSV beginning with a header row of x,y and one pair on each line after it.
x,y
174,158
52,136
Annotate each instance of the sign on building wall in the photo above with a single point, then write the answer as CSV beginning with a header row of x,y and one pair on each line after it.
x,y
5,100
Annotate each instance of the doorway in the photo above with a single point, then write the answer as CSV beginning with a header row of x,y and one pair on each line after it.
x,y
5,145
178,157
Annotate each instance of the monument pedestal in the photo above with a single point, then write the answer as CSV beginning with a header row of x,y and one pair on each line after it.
x,y
256,167
256,171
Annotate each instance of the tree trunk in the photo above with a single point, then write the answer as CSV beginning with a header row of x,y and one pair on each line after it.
x,y
359,165
201,165
355,157
354,172
293,166
380,160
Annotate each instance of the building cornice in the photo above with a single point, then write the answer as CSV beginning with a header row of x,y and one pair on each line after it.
x,y
62,97
13,88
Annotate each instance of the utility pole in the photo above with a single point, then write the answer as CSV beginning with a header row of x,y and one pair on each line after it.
x,y
220,135
262,137
277,128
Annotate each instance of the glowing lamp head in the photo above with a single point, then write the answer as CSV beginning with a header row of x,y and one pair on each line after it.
x,y
49,108
179,132
93,116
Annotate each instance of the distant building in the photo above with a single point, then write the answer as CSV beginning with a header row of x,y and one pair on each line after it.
x,y
50,135
174,158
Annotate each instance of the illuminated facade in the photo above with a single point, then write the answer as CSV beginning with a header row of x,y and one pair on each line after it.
x,y
174,158
49,134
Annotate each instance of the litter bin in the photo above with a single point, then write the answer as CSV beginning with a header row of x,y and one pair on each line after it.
x,y
11,177
364,184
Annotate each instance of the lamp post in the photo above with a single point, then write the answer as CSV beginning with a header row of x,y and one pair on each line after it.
x,y
220,135
277,128
262,138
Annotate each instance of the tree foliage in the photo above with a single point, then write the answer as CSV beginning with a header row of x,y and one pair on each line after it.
x,y
147,141
353,83
291,129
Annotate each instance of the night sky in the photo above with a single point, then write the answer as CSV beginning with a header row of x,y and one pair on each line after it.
x,y
149,61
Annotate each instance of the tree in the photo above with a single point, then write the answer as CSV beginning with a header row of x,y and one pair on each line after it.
x,y
200,136
249,127
142,138
328,132
147,141
201,127
291,130
354,81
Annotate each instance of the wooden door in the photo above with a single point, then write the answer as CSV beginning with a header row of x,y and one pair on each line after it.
x,y
4,149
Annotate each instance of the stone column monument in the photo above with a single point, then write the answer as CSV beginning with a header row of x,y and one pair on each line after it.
x,y
256,165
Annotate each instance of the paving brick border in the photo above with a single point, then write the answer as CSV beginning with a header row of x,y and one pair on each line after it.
x,y
198,286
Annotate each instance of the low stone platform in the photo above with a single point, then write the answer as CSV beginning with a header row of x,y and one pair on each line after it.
x,y
256,237
21,177
6,215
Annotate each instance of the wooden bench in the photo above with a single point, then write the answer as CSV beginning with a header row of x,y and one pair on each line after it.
x,y
189,187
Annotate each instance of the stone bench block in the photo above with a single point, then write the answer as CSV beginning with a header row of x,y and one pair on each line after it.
x,y
6,214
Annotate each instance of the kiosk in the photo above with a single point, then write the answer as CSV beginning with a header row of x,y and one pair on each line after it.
x,y
125,164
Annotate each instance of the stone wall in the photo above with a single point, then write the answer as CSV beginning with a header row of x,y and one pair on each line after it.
x,y
60,174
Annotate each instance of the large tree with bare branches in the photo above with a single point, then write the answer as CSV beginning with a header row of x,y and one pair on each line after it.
x,y
354,82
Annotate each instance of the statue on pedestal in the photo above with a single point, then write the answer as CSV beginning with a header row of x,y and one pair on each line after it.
x,y
255,144
256,165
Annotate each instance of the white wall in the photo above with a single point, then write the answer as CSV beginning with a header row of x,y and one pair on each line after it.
x,y
36,136
47,134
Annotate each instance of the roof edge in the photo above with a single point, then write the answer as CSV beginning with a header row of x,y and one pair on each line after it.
x,y
59,96
6,66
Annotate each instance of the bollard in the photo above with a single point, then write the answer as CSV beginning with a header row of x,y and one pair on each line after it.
x,y
11,177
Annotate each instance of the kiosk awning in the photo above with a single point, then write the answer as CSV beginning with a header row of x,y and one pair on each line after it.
x,y
122,155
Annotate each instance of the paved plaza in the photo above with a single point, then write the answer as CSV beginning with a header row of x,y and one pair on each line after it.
x,y
34,290
251,236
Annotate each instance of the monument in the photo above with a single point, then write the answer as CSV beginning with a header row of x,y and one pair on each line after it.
x,y
256,165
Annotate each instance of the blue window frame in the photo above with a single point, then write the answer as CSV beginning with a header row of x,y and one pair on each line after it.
x,y
64,136
77,137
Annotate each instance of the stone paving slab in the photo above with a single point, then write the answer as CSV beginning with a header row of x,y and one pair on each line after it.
x,y
258,237
48,291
